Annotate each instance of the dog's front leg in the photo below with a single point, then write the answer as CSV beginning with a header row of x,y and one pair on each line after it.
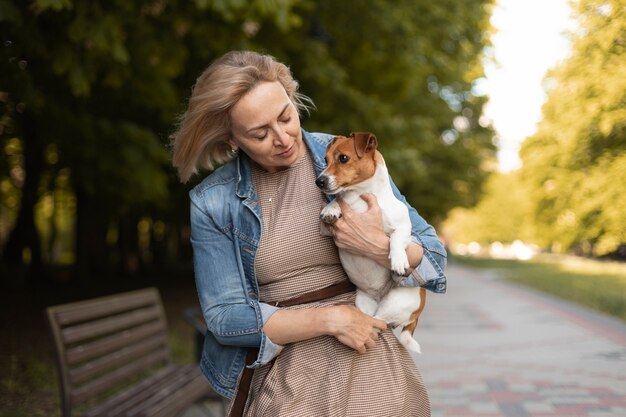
x,y
398,242
331,213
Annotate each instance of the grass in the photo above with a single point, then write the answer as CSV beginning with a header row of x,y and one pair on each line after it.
x,y
596,284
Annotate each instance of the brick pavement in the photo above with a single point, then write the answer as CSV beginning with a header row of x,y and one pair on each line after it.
x,y
492,348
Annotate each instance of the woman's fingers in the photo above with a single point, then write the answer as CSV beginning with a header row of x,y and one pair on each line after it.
x,y
356,329
380,324
370,342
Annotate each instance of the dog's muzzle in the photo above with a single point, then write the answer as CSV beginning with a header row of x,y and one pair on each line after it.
x,y
327,183
322,182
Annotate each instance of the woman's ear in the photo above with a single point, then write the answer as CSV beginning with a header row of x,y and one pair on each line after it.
x,y
233,146
232,150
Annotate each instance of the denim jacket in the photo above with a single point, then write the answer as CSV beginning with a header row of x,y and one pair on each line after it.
x,y
225,234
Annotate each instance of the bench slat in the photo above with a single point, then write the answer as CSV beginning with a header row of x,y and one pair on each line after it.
x,y
136,393
118,358
105,345
160,393
109,325
105,306
105,382
197,388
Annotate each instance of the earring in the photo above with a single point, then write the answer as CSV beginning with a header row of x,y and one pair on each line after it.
x,y
233,152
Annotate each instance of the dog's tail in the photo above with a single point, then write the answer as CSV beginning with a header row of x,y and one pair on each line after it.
x,y
406,338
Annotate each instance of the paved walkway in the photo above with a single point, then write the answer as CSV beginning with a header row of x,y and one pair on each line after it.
x,y
495,349
491,348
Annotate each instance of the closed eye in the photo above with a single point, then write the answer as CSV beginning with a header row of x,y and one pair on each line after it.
x,y
260,135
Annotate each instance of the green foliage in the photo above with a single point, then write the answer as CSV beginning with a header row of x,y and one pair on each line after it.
x,y
9,13
503,214
568,196
103,82
575,164
56,5
404,72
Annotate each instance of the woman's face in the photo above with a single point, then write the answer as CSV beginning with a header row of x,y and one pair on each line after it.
x,y
266,126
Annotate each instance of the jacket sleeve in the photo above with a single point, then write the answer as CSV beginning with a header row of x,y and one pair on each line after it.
x,y
430,272
232,312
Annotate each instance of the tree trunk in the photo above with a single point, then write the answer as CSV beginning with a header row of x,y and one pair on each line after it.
x,y
128,246
90,244
24,234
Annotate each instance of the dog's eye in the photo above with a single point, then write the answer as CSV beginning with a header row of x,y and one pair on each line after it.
x,y
343,159
326,160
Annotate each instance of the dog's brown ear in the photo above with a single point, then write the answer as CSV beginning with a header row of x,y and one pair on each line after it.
x,y
364,142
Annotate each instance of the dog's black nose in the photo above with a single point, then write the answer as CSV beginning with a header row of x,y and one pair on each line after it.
x,y
321,182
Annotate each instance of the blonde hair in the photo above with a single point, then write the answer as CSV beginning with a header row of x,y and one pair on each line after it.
x,y
201,139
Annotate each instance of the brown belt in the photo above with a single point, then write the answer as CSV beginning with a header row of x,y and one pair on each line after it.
x,y
239,403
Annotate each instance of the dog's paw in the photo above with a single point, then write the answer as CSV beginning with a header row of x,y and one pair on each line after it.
x,y
397,278
399,264
330,214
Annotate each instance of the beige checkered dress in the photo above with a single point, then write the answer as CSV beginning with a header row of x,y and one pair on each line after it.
x,y
321,376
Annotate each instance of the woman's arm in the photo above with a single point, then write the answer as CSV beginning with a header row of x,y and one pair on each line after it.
x,y
348,324
236,319
232,315
363,234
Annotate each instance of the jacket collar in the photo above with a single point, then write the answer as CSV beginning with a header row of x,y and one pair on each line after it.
x,y
315,146
245,187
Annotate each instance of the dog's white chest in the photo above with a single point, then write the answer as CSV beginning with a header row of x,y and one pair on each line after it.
x,y
366,274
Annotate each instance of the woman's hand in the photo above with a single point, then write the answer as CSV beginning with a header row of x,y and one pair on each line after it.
x,y
347,323
352,327
362,233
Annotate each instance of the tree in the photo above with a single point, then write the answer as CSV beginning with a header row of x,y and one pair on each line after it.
x,y
575,164
405,72
502,215
103,81
98,80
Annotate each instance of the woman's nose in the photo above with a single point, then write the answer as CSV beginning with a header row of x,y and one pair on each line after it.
x,y
281,138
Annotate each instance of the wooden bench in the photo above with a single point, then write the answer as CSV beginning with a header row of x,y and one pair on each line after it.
x,y
113,359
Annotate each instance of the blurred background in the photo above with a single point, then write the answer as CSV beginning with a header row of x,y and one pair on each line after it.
x,y
503,123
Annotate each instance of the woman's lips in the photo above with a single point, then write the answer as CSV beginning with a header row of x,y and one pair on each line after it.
x,y
287,153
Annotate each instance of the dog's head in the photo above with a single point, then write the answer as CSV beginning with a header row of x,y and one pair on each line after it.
x,y
350,160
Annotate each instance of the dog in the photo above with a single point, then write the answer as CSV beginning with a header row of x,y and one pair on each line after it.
x,y
355,167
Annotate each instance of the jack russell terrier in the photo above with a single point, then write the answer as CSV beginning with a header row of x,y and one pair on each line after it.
x,y
355,167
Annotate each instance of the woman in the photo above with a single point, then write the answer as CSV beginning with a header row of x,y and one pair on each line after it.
x,y
257,242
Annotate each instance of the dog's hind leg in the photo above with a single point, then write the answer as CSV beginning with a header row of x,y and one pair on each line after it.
x,y
406,335
365,303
